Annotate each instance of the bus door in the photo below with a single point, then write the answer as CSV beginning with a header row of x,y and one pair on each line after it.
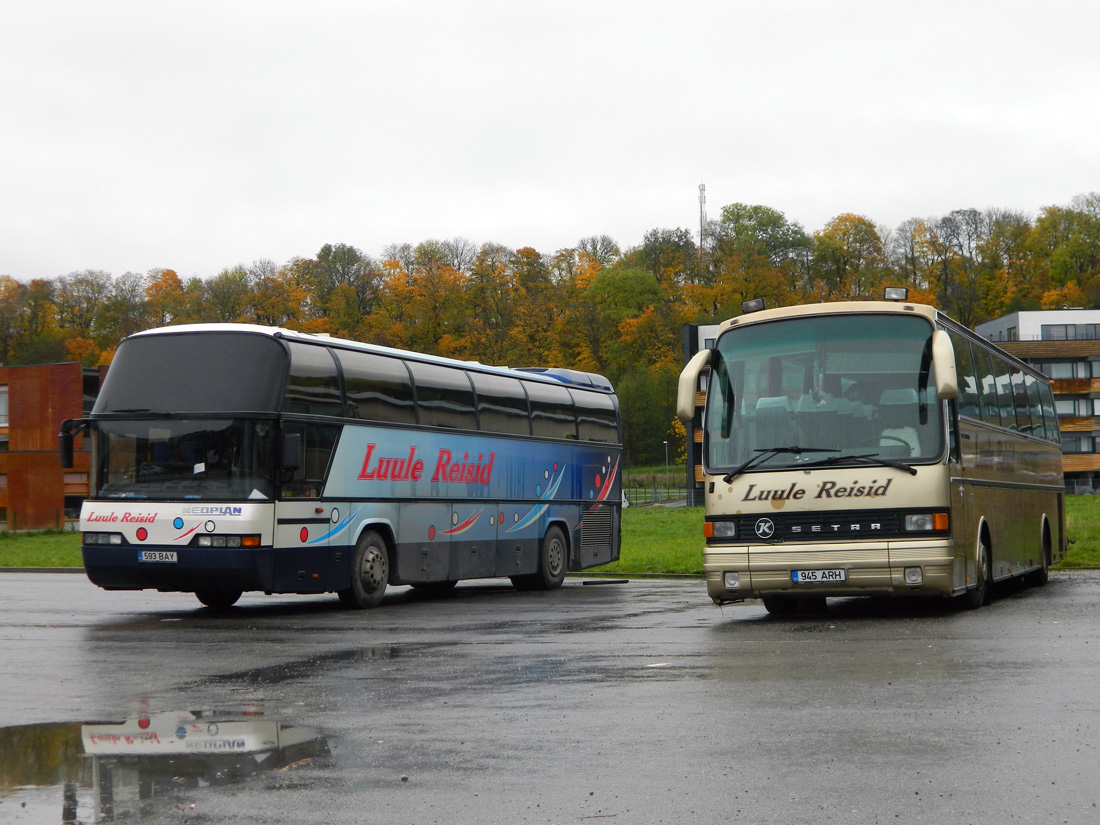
x,y
307,528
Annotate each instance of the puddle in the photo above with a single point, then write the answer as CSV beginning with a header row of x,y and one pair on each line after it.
x,y
121,771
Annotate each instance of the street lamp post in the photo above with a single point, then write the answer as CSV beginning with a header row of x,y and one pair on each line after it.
x,y
666,469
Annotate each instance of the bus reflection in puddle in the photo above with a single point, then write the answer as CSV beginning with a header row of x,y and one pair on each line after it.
x,y
120,770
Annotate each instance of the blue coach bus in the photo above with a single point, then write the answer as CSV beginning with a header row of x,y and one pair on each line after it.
x,y
232,457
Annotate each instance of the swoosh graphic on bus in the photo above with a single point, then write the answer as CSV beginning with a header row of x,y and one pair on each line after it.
x,y
338,528
538,510
189,532
607,484
466,525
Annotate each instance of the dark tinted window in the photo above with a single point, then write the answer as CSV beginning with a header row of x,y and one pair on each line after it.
x,y
317,443
501,404
552,414
444,397
969,398
378,388
1050,416
313,386
596,420
195,372
1019,397
987,385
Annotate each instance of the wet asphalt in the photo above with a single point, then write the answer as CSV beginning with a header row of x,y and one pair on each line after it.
x,y
630,702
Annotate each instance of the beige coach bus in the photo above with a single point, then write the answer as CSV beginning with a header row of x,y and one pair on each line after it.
x,y
871,448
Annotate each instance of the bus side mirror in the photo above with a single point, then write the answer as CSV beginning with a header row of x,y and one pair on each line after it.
x,y
292,451
943,362
689,384
69,429
65,446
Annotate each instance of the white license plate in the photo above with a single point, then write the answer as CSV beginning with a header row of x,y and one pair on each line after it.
x,y
818,576
157,555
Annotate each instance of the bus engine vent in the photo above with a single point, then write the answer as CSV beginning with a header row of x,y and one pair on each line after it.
x,y
596,528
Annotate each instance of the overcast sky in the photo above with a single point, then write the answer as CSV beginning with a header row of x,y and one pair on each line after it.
x,y
199,135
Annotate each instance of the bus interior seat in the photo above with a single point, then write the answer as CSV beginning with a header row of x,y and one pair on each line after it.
x,y
897,410
774,426
816,417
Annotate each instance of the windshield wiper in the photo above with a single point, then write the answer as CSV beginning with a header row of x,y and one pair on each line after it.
x,y
873,459
764,453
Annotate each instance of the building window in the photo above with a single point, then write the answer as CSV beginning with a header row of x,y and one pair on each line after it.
x,y
1077,444
1013,335
3,406
1057,332
1073,407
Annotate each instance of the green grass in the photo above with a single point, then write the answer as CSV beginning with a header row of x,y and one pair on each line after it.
x,y
52,548
656,540
660,540
1083,529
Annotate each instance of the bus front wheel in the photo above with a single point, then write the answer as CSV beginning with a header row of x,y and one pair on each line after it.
x,y
982,592
370,572
218,599
553,556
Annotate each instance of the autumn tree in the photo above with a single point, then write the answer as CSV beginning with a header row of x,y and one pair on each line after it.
x,y
848,261
164,296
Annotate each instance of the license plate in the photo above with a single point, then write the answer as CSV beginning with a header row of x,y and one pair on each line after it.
x,y
818,576
157,555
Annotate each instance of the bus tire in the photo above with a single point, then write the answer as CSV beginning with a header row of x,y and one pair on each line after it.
x,y
218,599
370,572
982,592
780,605
1042,575
553,559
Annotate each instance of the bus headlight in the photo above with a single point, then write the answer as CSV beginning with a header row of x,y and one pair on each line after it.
x,y
914,575
731,580
720,529
927,522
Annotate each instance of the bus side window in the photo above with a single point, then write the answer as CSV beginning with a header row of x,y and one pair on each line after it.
x,y
969,399
1019,397
596,419
552,414
444,396
501,404
378,388
1035,406
1004,394
313,385
1050,414
987,382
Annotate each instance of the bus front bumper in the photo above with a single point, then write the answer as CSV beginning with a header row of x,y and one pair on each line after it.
x,y
895,568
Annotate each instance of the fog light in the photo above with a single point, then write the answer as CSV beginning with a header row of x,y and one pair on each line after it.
x,y
731,580
914,575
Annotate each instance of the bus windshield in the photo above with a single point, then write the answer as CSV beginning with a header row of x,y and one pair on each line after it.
x,y
185,459
831,389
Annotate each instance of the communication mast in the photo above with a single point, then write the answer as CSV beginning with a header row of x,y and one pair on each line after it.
x,y
702,215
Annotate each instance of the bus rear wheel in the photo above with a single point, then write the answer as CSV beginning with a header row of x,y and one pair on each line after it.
x,y
553,556
218,599
370,572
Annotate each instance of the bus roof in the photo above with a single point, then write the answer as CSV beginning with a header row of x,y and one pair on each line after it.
x,y
552,375
835,307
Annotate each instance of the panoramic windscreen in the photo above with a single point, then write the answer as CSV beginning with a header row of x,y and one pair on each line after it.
x,y
178,458
833,387
202,371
